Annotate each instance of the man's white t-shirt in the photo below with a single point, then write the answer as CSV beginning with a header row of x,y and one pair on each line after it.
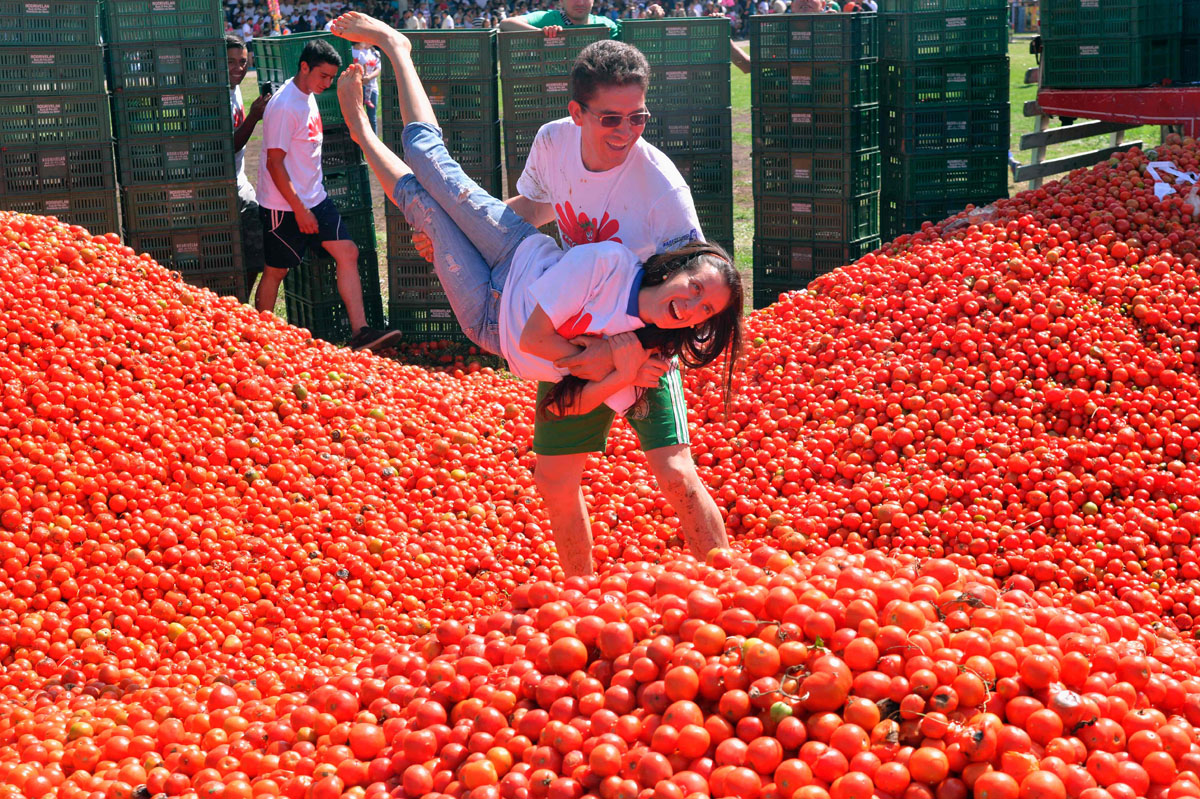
x,y
585,291
644,203
292,123
368,59
245,188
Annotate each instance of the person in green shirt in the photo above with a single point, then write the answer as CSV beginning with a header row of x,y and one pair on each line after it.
x,y
573,12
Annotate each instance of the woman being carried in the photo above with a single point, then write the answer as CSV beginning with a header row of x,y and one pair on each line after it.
x,y
517,294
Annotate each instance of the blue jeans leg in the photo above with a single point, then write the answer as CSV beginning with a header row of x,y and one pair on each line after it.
x,y
471,284
492,226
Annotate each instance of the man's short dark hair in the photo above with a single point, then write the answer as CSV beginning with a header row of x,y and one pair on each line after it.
x,y
608,63
232,40
318,52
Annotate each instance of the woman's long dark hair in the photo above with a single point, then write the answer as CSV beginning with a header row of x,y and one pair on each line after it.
x,y
694,346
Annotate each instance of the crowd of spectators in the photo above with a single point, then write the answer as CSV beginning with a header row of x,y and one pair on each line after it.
x,y
251,18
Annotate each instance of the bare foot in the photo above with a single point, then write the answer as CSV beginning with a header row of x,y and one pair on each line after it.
x,y
359,27
350,98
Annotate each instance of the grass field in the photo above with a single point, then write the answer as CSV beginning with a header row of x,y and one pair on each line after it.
x,y
1020,92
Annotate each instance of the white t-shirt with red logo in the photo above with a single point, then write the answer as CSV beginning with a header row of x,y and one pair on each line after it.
x,y
644,203
368,59
292,123
586,291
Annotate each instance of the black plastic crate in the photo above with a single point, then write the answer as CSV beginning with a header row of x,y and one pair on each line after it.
x,y
161,115
716,217
813,37
454,101
226,284
315,280
1191,18
793,264
277,58
361,226
817,218
55,121
518,140
166,66
191,252
339,150
961,82
930,37
1189,59
705,174
1109,62
898,216
940,130
476,148
530,54
38,170
829,84
694,133
535,100
94,210
327,320
54,23
815,174
400,238
940,6
179,206
934,177
412,281
675,41
688,88
451,55
349,187
176,160
1092,19
51,71
139,21
424,322
816,130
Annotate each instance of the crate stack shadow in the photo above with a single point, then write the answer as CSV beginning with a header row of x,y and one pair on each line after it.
x,y
1115,43
311,297
816,161
56,151
944,108
169,80
690,110
458,71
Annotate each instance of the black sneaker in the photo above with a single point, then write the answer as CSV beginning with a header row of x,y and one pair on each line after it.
x,y
370,339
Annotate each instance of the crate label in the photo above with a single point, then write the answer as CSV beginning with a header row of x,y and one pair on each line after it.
x,y
801,168
557,87
440,313
172,99
801,208
803,118
37,8
179,155
801,75
163,5
956,124
187,248
170,59
802,257
53,160
434,44
181,194
557,41
678,30
956,22
1089,49
956,77
677,74
801,36
58,205
40,59
679,130
49,108
437,97
956,163
1089,3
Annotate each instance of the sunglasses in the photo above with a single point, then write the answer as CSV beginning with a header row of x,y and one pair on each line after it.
x,y
637,119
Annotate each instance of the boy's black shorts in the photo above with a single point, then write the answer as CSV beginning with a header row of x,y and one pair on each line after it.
x,y
284,244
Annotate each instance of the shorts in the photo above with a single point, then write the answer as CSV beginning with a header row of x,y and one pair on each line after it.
x,y
664,425
284,244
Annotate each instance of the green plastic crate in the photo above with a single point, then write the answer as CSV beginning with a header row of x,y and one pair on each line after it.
x,y
174,65
176,160
962,82
716,217
451,55
55,121
794,264
56,170
94,210
678,41
453,101
1189,59
831,84
518,140
939,130
315,280
1092,19
140,21
688,88
815,174
51,71
476,148
225,284
530,54
535,100
176,113
899,217
1191,18
349,187
933,37
423,322
941,6
339,150
813,37
49,23
1109,63
816,130
705,174
196,251
817,218
412,281
327,320
694,133
400,237
179,206
277,59
934,177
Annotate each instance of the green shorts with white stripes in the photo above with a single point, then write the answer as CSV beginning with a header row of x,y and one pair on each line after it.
x,y
663,425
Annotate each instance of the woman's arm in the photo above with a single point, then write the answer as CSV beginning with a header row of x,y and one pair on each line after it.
x,y
542,340
629,357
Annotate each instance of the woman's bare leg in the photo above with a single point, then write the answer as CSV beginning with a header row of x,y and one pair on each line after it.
x,y
414,103
387,166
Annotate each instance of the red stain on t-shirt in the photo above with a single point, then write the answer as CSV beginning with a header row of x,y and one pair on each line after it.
x,y
577,325
315,129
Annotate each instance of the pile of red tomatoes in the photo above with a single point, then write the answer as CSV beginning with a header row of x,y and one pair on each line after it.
x,y
961,476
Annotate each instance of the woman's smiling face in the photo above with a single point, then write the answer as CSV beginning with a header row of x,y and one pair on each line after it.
x,y
686,299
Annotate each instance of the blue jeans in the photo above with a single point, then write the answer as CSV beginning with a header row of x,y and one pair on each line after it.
x,y
371,101
474,234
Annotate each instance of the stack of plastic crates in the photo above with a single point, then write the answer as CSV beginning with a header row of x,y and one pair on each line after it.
x,y
690,114
458,70
170,102
944,108
1116,43
1189,44
56,156
311,296
814,95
